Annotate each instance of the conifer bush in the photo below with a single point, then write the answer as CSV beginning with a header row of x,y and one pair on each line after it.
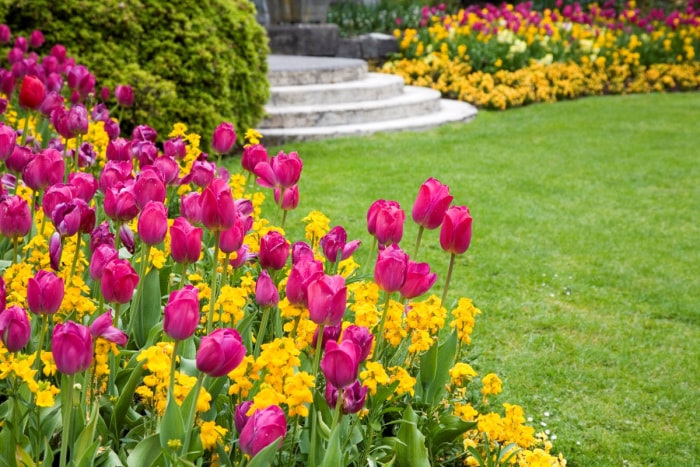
x,y
193,61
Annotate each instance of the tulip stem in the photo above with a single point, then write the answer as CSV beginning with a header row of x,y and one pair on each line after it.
x,y
447,279
25,130
134,310
284,218
76,255
380,335
261,331
67,416
418,238
173,361
15,249
338,408
190,416
212,288
317,355
42,335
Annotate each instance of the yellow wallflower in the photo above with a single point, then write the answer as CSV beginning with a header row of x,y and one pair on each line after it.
x,y
492,385
210,434
317,225
297,391
465,411
374,375
464,318
407,383
460,372
241,384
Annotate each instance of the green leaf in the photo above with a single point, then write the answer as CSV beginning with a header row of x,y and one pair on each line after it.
x,y
445,359
85,444
148,311
87,457
146,453
265,457
411,452
333,454
428,366
126,397
447,430
7,446
172,426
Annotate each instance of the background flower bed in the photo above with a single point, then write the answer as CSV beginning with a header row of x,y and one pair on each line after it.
x,y
510,55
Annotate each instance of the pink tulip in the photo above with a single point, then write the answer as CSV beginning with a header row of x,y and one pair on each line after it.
x,y
243,256
101,257
287,198
168,168
15,217
220,352
191,207
181,315
145,152
391,269
118,281
124,95
266,293
101,235
119,150
126,235
81,80
431,204
44,169
330,333
335,245
31,93
55,250
3,292
217,207
149,186
232,238
120,203
18,160
327,297
15,329
84,183
224,138
301,251
456,231
274,251
8,139
36,39
252,156
144,133
57,194
361,336
115,174
153,223
103,327
186,241
385,220
71,346
300,276
340,363
283,171
5,34
52,101
240,417
419,280
263,428
354,397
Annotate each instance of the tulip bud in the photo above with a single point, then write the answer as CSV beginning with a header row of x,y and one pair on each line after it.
x,y
335,246
217,207
144,133
431,204
103,327
36,39
391,268
15,329
241,417
31,93
263,428
456,231
186,241
274,250
8,139
104,95
327,297
126,235
224,138
232,238
301,251
120,204
71,346
118,281
181,314
15,217
361,336
220,352
340,363
266,293
45,293
287,198
5,34
191,208
101,257
252,156
55,250
124,95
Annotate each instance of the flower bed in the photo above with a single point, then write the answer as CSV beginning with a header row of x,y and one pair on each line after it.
x,y
512,55
153,313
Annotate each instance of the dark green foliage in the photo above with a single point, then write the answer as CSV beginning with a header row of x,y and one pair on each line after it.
x,y
197,61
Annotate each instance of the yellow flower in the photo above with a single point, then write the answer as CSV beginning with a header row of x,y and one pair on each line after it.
x,y
407,383
374,375
491,385
297,390
45,394
461,371
210,434
252,136
464,318
317,225
465,411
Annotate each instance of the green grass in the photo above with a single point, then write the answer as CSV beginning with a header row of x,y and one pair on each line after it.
x,y
584,260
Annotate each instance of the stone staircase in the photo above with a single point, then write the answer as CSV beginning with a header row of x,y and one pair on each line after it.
x,y
322,97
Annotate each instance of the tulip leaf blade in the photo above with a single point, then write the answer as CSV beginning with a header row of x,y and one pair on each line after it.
x,y
146,453
85,444
266,456
148,310
126,397
411,452
445,358
172,426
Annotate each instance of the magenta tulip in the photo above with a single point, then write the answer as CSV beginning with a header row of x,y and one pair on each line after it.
x,y
55,251
115,174
431,204
243,256
168,168
120,203
335,245
8,139
385,220
419,280
217,207
340,363
361,336
301,251
144,133
72,217
186,241
85,185
263,428
20,157
191,207
44,169
240,416
118,281
149,186
456,231
57,194
266,293
224,138
282,171
353,398
3,292
175,148
252,156
15,217
287,198
232,238
101,257
5,34
103,327
31,93
153,223
391,268
220,352
101,235
52,101
36,39
15,329
71,346
327,297
330,333
145,152
274,250
124,95
300,276
182,313
119,150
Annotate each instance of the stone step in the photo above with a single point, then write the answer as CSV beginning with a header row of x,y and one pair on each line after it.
x,y
374,87
292,70
449,111
414,101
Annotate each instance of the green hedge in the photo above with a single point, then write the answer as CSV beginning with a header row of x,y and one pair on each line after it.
x,y
194,61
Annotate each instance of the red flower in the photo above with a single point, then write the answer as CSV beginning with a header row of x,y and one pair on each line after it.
x,y
31,94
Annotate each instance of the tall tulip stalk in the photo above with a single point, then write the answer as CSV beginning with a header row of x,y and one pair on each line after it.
x,y
299,360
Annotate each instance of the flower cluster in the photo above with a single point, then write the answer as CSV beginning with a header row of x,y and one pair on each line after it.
x,y
513,55
144,285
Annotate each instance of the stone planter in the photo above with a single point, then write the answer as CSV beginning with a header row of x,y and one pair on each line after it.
x,y
297,11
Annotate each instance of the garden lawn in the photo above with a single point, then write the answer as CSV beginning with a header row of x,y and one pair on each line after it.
x,y
584,260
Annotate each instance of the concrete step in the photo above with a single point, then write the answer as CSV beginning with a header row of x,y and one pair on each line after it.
x,y
292,70
449,111
373,87
413,101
